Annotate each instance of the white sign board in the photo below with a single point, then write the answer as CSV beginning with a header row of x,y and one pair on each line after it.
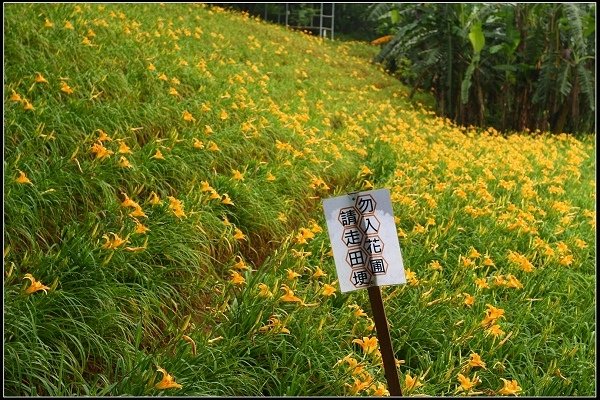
x,y
364,240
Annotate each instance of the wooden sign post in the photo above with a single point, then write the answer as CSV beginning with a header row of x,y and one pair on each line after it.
x,y
367,254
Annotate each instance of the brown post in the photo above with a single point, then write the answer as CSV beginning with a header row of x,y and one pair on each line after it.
x,y
385,342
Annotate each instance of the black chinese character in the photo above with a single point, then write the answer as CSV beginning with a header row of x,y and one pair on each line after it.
x,y
360,278
369,225
366,205
352,236
373,245
348,217
377,266
356,258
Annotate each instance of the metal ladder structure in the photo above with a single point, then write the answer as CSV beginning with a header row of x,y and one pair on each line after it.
x,y
321,17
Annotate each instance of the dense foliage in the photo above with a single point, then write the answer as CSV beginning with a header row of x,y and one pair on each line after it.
x,y
513,66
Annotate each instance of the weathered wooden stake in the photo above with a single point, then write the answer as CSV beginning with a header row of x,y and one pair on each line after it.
x,y
385,342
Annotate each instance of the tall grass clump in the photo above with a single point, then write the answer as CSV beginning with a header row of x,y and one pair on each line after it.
x,y
164,166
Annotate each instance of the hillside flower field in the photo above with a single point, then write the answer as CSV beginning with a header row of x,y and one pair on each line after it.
x,y
164,170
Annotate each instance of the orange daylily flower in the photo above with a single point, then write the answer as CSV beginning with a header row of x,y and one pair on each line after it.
x,y
65,88
368,344
289,295
188,117
154,199
475,361
40,79
158,155
35,285
22,177
510,387
167,382
237,279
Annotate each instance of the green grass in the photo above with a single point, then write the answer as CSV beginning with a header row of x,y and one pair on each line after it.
x,y
299,118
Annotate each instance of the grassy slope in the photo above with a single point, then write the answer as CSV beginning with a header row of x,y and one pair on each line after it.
x,y
310,114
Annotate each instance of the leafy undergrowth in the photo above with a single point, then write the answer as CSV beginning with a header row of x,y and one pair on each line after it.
x,y
164,171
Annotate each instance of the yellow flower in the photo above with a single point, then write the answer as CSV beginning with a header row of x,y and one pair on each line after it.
x,y
319,273
482,283
128,202
140,228
237,279
48,23
27,106
328,290
224,115
566,260
467,383
207,129
239,235
358,312
103,136
469,300
435,265
138,212
214,195
158,155
173,91
274,325
86,41
154,199
289,295
113,244
467,262
510,387
188,117
499,280
380,390
212,146
368,344
492,314
475,361
35,285
264,290
291,275
241,265
365,171
411,277
474,253
100,151
270,177
513,282
198,144
151,67
176,206
495,330
411,383
22,178
205,186
580,243
167,382
65,88
124,163
163,77
237,175
355,367
40,79
15,97
69,25
487,261
124,149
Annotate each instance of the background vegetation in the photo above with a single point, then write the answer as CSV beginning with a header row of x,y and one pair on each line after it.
x,y
513,66
164,167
